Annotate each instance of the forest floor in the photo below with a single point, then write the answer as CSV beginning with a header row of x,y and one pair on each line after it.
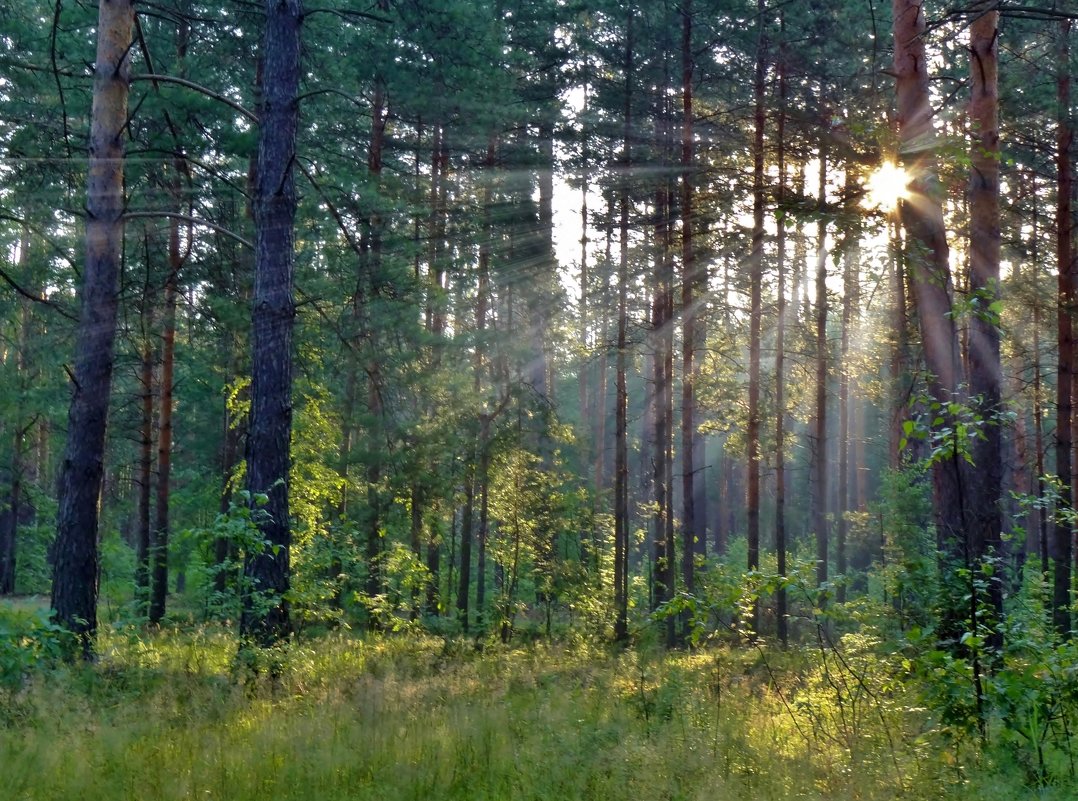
x,y
170,715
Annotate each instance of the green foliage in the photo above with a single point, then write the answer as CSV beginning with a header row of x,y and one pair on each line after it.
x,y
117,586
404,579
238,528
29,644
33,574
909,575
1028,704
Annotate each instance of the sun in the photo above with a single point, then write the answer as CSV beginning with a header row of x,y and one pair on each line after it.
x,y
888,185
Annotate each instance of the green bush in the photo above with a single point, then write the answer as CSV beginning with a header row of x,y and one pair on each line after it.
x,y
29,641
33,574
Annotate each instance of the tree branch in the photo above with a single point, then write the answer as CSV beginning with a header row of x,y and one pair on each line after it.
x,y
197,88
347,14
36,298
135,215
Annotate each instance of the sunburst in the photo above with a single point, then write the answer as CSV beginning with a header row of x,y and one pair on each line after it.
x,y
886,187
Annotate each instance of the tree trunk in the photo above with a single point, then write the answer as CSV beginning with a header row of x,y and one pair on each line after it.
x,y
1039,516
145,472
985,372
601,405
74,553
13,518
663,332
1061,545
436,315
483,478
10,521
690,283
851,259
373,267
899,400
781,610
265,617
159,551
756,275
926,255
819,491
621,449
476,477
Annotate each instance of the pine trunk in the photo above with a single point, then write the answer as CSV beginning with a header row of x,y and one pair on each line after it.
x,y
159,550
780,351
265,617
75,552
926,255
690,281
819,489
756,275
145,470
1062,537
985,371
621,449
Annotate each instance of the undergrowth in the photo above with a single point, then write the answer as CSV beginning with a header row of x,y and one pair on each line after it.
x,y
169,715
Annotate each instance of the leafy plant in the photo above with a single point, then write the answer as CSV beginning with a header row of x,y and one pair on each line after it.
x,y
29,642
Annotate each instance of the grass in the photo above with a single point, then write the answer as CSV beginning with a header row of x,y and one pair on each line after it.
x,y
167,716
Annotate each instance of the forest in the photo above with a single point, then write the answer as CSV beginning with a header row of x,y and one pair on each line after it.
x,y
538,399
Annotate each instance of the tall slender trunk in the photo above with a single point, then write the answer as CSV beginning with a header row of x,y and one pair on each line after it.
x,y
373,512
756,275
75,552
851,257
159,550
621,450
985,372
899,410
1062,538
690,284
436,317
273,316
819,491
663,554
13,518
372,262
663,333
1040,516
482,531
780,349
145,470
601,480
926,254
476,474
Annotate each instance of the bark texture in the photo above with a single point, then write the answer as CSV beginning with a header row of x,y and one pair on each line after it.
x,y
621,449
926,256
265,616
75,553
985,374
756,274
1061,545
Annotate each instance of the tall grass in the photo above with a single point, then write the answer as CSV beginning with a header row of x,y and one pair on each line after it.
x,y
170,716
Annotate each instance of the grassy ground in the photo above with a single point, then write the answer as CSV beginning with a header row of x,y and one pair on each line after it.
x,y
169,716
